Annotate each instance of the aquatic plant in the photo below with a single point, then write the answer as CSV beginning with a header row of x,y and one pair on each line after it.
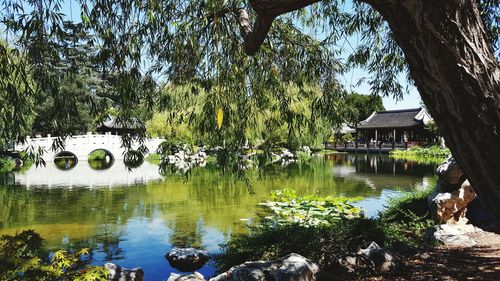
x,y
287,207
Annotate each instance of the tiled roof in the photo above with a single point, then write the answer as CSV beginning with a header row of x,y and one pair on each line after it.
x,y
392,119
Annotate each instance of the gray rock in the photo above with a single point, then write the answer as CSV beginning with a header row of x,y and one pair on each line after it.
x,y
381,260
187,259
196,276
458,234
293,267
117,273
451,173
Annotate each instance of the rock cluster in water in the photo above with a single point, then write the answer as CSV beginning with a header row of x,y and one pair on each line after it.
x,y
185,160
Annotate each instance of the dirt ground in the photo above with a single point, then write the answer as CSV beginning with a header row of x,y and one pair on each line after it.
x,y
481,262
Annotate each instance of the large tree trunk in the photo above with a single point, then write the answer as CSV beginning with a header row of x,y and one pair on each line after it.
x,y
458,77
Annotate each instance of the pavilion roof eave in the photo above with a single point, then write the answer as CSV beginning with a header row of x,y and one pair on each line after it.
x,y
389,128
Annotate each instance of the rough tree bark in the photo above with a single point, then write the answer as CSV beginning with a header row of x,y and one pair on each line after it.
x,y
458,77
456,73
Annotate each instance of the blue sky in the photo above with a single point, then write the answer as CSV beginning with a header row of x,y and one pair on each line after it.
x,y
410,100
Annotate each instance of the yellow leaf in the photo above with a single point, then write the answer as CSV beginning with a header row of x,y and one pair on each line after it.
x,y
220,117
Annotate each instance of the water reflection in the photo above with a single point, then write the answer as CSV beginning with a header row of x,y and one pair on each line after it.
x,y
139,218
85,175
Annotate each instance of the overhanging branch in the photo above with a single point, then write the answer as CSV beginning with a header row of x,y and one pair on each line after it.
x,y
267,11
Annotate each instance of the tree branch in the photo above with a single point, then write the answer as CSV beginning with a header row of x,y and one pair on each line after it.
x,y
253,36
267,11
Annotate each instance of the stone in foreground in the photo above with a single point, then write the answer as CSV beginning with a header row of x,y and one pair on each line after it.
x,y
381,260
191,277
293,267
117,273
187,259
458,234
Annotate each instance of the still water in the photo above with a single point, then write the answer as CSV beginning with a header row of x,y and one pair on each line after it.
x,y
133,217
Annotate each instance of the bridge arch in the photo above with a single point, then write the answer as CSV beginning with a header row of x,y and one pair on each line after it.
x,y
100,159
65,160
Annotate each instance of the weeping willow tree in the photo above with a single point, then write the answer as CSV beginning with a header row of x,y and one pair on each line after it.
x,y
16,97
180,114
240,52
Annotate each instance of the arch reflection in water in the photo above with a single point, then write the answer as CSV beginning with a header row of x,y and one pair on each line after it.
x,y
65,160
101,159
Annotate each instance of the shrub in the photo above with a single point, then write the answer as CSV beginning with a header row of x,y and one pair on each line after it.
x,y
406,218
7,164
23,258
417,152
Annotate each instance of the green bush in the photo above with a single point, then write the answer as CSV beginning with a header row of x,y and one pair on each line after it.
x,y
97,155
406,218
7,164
425,152
154,158
22,257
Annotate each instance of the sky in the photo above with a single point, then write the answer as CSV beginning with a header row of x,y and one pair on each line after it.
x,y
410,100
349,80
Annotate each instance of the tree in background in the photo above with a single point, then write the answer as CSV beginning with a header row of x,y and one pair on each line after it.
x,y
362,106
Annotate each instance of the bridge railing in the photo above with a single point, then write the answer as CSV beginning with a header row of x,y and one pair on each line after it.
x,y
84,143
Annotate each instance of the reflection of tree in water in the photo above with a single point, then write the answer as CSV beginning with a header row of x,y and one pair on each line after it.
x,y
186,233
108,242
6,179
380,164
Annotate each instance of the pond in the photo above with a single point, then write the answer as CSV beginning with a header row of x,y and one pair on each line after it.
x,y
133,217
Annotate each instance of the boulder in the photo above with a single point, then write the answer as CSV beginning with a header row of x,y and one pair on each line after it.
x,y
381,260
190,277
458,234
293,267
117,273
187,259
450,207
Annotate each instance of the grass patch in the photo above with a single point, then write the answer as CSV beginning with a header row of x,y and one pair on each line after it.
x,y
426,152
154,158
406,218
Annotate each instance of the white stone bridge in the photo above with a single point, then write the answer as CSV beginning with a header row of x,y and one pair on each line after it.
x,y
81,146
